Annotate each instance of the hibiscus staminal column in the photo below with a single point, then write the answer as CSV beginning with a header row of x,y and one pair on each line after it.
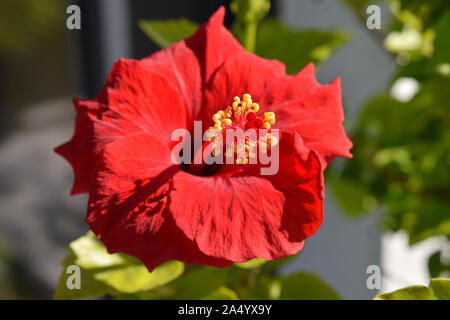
x,y
242,115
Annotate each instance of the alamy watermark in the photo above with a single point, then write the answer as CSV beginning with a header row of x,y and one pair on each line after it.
x,y
73,21
374,280
374,19
74,280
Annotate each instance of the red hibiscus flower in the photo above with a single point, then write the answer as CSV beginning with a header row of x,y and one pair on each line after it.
x,y
142,204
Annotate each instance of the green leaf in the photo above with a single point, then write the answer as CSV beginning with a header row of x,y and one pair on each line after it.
x,y
89,253
90,287
441,53
200,282
115,274
251,264
306,286
296,48
439,289
222,293
166,32
205,281
265,288
135,278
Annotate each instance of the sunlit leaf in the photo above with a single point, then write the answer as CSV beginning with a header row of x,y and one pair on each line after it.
x,y
115,274
89,252
135,278
439,289
222,293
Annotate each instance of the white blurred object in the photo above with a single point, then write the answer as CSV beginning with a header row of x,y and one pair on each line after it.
x,y
404,89
403,265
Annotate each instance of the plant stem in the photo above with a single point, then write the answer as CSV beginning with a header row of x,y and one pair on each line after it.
x,y
250,30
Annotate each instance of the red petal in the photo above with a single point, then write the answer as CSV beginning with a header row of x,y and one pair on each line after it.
x,y
213,44
133,218
179,65
240,217
152,96
314,111
79,150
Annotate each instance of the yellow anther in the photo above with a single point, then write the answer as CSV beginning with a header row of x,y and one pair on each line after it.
x,y
217,126
237,99
226,121
254,107
217,118
272,121
235,105
266,125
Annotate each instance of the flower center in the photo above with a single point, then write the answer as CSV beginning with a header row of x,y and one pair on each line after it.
x,y
242,115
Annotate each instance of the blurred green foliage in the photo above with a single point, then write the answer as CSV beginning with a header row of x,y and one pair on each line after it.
x,y
166,32
402,148
274,40
296,48
124,277
26,22
110,274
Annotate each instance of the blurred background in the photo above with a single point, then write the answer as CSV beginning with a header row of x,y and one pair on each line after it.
x,y
388,207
